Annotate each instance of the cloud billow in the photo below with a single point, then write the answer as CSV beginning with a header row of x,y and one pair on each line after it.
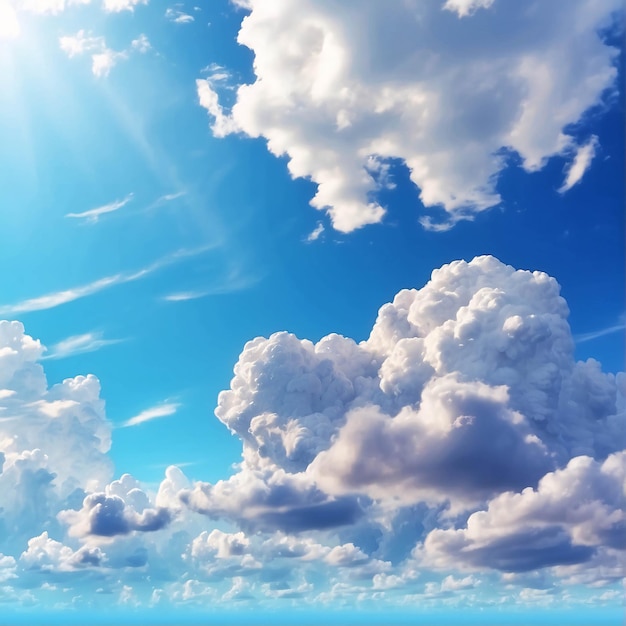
x,y
465,394
341,88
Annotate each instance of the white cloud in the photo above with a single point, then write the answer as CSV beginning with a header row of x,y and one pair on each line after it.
x,y
183,296
177,16
595,334
223,124
53,441
79,344
160,410
141,44
9,24
115,6
92,215
58,298
580,164
465,389
48,6
463,8
573,512
81,42
333,89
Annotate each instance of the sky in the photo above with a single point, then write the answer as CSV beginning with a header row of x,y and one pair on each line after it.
x,y
313,310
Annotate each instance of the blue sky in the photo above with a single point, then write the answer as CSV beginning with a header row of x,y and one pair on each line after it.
x,y
178,180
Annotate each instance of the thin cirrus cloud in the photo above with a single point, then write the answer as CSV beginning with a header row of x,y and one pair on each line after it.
x,y
93,215
596,334
57,298
79,344
160,410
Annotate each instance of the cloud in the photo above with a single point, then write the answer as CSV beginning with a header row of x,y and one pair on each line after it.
x,y
79,344
466,388
53,440
58,298
183,296
333,91
9,24
573,512
464,8
580,164
461,436
160,410
177,16
103,58
609,330
121,509
316,233
46,554
116,6
141,44
92,215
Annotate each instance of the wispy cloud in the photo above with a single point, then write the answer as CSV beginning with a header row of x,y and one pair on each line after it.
x,y
177,16
235,281
94,214
580,164
181,296
79,344
58,298
316,233
600,333
155,412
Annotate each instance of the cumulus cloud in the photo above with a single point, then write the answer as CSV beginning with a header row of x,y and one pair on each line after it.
x,y
572,513
103,59
466,389
53,441
46,554
160,410
335,91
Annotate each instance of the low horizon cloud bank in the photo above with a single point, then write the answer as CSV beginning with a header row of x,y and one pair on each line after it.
x,y
460,443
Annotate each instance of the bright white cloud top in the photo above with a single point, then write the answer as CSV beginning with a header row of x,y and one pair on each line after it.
x,y
341,89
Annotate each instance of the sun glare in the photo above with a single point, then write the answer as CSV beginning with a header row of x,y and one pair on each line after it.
x,y
9,26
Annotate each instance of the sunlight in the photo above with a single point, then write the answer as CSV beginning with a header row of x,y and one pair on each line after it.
x,y
9,25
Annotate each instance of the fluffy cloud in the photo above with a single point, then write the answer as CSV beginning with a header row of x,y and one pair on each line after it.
x,y
53,441
465,389
103,59
122,508
572,513
342,88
